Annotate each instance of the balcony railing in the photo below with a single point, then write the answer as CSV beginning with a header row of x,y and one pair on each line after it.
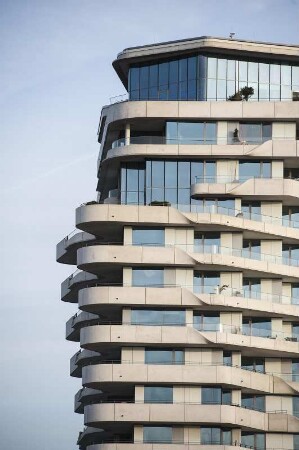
x,y
205,209
163,140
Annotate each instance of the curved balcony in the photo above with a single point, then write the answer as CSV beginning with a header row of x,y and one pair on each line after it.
x,y
253,188
81,358
201,110
94,258
70,286
95,299
86,396
66,249
137,445
76,322
98,375
154,146
99,415
261,342
95,217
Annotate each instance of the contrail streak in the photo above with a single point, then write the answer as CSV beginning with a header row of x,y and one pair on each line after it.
x,y
46,174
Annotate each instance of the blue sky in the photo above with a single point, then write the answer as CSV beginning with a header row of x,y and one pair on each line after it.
x,y
56,74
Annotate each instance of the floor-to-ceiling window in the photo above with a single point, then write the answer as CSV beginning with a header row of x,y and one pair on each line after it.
x,y
204,77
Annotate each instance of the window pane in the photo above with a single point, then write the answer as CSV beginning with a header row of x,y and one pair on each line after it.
x,y
253,71
192,68
164,356
243,71
157,434
147,277
274,74
153,75
286,75
134,78
148,236
157,317
221,69
171,176
173,72
155,394
212,65
231,69
263,73
183,70
157,173
163,74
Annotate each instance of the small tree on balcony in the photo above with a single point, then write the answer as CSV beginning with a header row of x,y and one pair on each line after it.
x,y
246,92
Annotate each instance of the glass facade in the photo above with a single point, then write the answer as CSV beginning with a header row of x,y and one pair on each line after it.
x,y
170,181
252,288
206,242
148,236
250,133
157,394
202,77
158,317
164,356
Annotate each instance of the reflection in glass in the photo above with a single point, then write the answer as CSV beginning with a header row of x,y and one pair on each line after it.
x,y
164,356
148,236
158,394
158,317
206,282
157,434
147,277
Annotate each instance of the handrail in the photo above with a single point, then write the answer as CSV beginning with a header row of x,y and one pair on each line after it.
x,y
216,140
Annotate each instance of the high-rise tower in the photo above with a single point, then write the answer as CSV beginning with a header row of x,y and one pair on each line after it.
x,y
188,263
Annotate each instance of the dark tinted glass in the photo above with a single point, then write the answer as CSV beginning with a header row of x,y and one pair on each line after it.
x,y
156,394
157,434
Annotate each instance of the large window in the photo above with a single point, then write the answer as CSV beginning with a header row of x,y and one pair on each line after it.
x,y
295,293
251,248
227,358
206,282
254,169
132,183
148,236
251,210
200,77
164,356
215,396
253,440
151,276
252,288
290,216
158,394
206,242
256,402
161,435
158,317
214,436
290,254
252,133
257,327
254,364
296,441
191,132
206,321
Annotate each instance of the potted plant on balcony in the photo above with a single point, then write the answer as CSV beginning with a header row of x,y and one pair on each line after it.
x,y
237,97
246,92
236,136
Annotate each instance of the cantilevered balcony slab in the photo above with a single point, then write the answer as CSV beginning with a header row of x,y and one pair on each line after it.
x,y
66,249
254,188
92,258
99,337
98,415
99,375
73,325
70,286
141,446
97,299
96,218
283,148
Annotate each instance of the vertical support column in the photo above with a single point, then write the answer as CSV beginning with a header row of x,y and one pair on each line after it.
x,y
127,134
